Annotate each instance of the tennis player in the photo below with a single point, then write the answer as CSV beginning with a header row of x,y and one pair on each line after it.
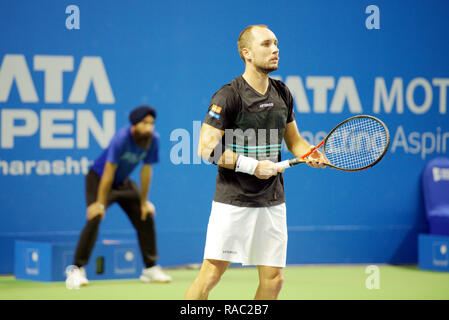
x,y
242,133
107,182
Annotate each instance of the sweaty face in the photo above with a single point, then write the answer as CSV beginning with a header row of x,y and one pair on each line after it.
x,y
263,51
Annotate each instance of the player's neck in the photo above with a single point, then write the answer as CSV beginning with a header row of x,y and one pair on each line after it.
x,y
257,79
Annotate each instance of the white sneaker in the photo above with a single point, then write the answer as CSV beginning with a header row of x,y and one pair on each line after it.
x,y
76,277
154,274
84,281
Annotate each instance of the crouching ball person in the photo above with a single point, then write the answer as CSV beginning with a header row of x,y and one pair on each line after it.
x,y
108,182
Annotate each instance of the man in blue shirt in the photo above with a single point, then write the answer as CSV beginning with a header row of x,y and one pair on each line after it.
x,y
107,182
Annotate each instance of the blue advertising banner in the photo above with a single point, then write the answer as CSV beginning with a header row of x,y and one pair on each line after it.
x,y
70,72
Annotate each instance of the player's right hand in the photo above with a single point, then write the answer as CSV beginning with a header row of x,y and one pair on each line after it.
x,y
94,210
266,169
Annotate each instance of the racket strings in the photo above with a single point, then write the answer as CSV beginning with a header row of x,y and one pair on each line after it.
x,y
356,143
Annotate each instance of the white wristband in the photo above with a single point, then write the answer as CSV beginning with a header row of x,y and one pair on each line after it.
x,y
246,164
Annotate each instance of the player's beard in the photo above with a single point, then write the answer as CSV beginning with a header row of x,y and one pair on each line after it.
x,y
266,67
143,140
267,70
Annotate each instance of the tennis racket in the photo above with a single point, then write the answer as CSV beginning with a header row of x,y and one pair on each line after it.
x,y
355,144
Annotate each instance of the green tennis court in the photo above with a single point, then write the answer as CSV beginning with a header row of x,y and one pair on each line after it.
x,y
301,282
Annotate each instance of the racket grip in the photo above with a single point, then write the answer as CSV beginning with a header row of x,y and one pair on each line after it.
x,y
283,164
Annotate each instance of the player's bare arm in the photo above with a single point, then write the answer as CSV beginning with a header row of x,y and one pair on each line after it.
x,y
98,207
210,137
299,146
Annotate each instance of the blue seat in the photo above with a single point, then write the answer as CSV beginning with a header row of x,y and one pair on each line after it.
x,y
435,181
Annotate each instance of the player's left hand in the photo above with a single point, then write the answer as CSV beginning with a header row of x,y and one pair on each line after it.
x,y
146,209
316,160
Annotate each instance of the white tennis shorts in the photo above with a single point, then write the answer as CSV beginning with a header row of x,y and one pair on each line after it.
x,y
250,236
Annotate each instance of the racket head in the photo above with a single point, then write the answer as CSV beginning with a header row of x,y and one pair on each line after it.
x,y
357,143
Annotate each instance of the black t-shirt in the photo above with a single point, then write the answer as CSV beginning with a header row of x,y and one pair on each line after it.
x,y
254,126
